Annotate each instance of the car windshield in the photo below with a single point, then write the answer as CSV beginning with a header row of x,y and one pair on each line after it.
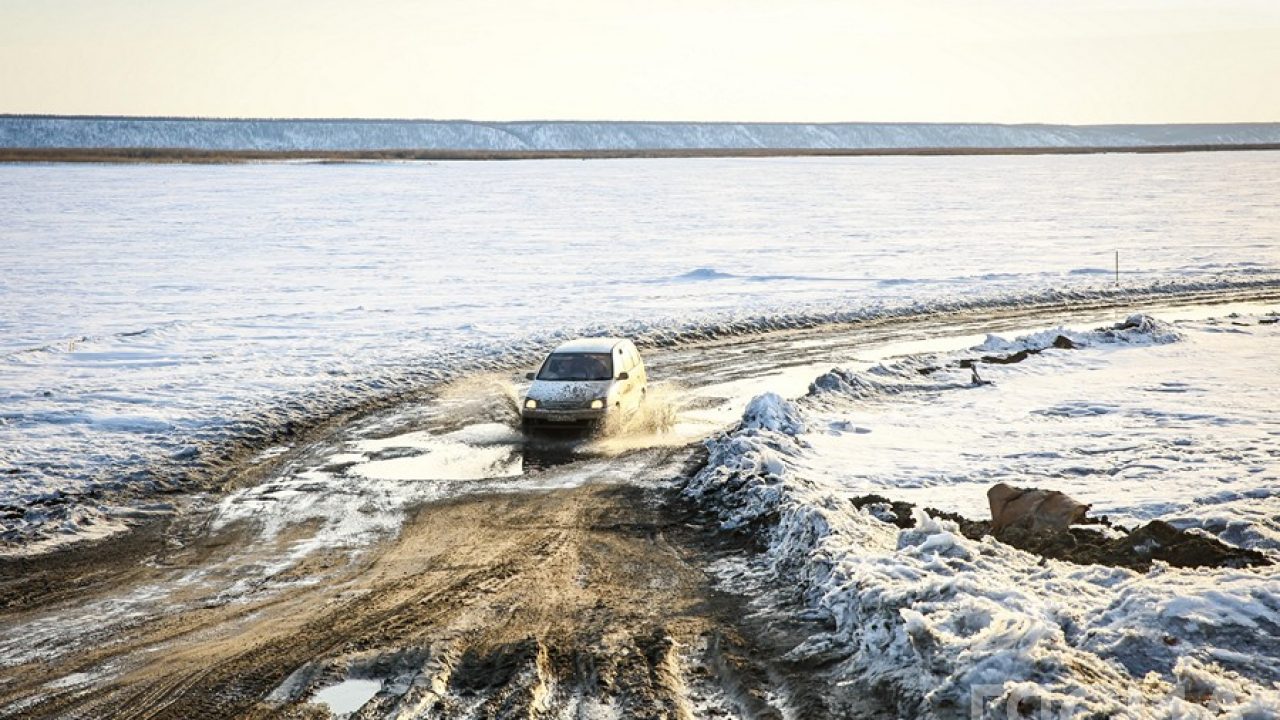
x,y
577,366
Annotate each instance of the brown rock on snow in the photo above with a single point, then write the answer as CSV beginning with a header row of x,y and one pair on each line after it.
x,y
1032,509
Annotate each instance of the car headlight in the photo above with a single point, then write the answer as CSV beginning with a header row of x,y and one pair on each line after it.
x,y
597,404
531,404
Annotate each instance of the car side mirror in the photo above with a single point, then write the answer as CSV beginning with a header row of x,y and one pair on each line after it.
x,y
528,376
623,376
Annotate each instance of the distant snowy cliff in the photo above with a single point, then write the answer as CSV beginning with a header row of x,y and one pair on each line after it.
x,y
31,131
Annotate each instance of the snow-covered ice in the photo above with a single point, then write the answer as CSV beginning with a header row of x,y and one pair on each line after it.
x,y
945,624
160,320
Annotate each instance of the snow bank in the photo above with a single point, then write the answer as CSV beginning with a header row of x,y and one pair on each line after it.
x,y
771,413
944,625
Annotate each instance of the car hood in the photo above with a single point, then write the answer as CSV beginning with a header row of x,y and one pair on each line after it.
x,y
572,391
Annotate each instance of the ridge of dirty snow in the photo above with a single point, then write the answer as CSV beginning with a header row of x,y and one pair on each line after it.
x,y
942,625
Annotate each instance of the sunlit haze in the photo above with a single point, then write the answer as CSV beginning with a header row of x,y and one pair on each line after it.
x,y
1084,61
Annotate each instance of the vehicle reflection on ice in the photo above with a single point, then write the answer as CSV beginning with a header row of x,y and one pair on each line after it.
x,y
543,452
473,452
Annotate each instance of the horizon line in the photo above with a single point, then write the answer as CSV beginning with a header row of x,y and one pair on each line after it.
x,y
232,118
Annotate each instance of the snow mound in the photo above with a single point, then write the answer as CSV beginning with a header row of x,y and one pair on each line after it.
x,y
879,382
770,412
1137,329
705,274
1141,329
744,470
846,382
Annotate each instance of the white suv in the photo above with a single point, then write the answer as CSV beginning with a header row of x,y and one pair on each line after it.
x,y
584,381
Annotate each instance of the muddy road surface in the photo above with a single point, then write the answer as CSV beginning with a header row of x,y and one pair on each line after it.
x,y
428,561
589,601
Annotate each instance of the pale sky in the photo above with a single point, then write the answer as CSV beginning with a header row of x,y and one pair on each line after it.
x,y
1061,61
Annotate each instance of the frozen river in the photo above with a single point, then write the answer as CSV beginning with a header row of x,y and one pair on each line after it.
x,y
151,313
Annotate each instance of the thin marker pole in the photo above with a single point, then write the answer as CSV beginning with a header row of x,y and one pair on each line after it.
x,y
1117,267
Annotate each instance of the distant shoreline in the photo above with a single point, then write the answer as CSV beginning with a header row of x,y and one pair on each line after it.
x,y
197,156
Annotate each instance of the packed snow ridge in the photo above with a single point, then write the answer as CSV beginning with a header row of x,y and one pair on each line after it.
x,y
946,626
30,131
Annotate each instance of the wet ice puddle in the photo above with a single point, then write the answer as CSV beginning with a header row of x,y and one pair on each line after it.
x,y
347,696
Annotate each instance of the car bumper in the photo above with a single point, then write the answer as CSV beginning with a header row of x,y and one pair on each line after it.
x,y
566,418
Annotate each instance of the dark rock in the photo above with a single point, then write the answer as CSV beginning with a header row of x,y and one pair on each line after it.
x,y
1009,359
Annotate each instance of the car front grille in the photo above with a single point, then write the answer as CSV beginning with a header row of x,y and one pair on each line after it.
x,y
563,405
